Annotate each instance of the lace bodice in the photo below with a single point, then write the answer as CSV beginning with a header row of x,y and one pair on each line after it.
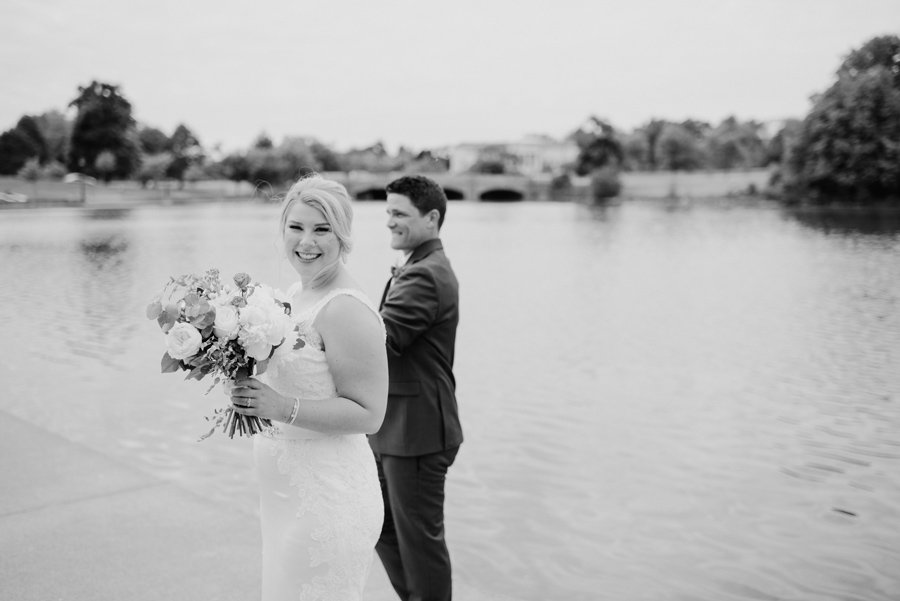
x,y
304,372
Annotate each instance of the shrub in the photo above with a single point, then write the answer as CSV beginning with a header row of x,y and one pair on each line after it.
x,y
53,170
605,183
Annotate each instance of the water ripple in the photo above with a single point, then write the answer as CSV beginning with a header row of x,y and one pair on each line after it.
x,y
695,405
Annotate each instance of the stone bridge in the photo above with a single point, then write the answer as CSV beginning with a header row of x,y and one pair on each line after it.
x,y
458,186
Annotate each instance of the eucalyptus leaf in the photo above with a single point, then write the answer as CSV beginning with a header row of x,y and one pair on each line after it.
x,y
262,366
168,364
154,309
165,320
198,372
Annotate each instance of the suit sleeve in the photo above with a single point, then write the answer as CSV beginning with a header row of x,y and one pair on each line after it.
x,y
410,308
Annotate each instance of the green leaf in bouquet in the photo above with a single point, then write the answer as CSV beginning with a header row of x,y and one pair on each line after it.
x,y
198,360
168,364
154,309
203,320
199,372
262,366
206,332
166,320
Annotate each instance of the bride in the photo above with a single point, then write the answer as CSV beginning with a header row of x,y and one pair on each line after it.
x,y
320,501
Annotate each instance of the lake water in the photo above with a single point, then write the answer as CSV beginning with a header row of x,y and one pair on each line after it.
x,y
661,400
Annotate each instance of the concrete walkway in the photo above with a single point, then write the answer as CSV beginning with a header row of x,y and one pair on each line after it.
x,y
76,525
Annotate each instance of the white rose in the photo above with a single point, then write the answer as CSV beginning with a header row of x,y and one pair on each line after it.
x,y
227,324
183,341
254,333
280,325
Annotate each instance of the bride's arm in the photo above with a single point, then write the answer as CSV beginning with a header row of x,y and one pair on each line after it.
x,y
357,359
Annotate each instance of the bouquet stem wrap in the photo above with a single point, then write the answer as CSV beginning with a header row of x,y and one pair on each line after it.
x,y
245,425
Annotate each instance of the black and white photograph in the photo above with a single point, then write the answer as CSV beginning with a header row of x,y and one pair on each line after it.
x,y
311,300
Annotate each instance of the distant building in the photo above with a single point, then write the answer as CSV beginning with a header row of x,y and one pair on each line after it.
x,y
532,155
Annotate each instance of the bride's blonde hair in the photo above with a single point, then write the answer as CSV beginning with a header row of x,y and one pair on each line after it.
x,y
332,199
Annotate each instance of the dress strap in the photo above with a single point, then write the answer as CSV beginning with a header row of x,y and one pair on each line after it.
x,y
294,289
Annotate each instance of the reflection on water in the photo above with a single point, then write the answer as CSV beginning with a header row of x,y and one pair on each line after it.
x,y
662,400
851,220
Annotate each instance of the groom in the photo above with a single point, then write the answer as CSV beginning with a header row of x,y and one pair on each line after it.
x,y
421,432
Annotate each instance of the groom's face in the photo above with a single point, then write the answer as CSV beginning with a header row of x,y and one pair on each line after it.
x,y
409,228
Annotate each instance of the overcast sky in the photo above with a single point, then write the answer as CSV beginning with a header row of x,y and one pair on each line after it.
x,y
425,73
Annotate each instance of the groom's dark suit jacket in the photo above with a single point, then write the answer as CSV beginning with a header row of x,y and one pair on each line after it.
x,y
421,312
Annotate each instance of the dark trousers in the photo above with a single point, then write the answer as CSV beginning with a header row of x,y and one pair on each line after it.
x,y
412,547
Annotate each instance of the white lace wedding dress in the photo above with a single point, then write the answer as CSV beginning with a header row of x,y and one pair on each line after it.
x,y
320,501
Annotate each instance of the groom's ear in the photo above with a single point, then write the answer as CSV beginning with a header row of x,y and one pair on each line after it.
x,y
434,217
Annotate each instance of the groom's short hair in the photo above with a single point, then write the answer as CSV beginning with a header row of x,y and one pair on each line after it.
x,y
424,193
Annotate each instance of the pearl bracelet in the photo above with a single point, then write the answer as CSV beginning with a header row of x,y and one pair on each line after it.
x,y
291,419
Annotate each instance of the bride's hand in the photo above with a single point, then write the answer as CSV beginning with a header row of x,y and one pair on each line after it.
x,y
251,397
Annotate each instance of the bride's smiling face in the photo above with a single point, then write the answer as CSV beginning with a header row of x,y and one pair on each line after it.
x,y
309,240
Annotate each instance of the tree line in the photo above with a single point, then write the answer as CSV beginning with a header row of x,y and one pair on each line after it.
x,y
847,148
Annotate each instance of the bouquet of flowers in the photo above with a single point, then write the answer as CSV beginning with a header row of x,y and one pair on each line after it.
x,y
227,331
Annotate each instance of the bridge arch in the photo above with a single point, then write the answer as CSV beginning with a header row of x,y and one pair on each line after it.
x,y
454,194
371,194
501,195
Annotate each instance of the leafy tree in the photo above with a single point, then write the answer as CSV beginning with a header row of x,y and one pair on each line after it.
x,y
153,141
56,130
849,144
236,167
652,130
635,151
779,146
194,173
700,129
103,124
735,145
598,146
105,165
16,147
269,166
326,158
53,170
678,149
262,141
426,162
186,151
374,159
883,51
298,157
29,127
31,172
153,168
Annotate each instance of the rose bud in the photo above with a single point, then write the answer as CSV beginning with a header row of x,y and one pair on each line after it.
x,y
242,280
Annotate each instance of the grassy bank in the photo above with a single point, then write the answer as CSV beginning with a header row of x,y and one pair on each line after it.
x,y
56,193
697,184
